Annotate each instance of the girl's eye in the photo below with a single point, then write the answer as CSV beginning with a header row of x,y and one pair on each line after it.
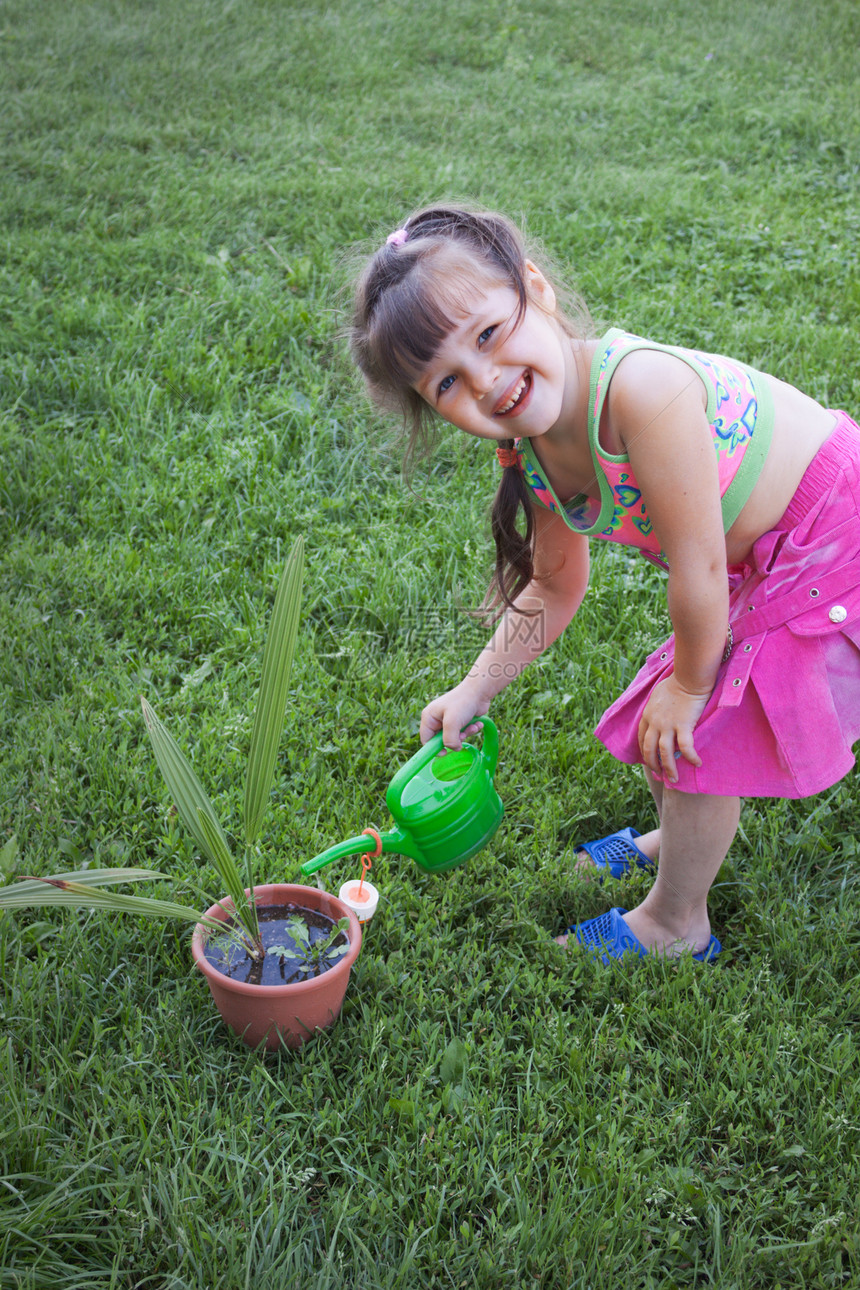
x,y
445,384
486,334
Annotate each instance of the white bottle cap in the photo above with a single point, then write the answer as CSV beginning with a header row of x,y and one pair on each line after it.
x,y
363,905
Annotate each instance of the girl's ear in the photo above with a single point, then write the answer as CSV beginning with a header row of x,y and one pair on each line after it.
x,y
538,287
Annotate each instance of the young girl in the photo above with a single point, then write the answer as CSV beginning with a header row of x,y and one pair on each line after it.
x,y
743,488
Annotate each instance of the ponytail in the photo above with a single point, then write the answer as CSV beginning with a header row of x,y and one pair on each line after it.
x,y
514,549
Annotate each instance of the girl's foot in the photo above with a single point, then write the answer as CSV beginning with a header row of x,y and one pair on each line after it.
x,y
648,844
658,938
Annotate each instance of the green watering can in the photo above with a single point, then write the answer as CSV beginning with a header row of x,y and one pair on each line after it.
x,y
445,806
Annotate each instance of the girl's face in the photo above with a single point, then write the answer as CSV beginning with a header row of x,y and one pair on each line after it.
x,y
496,380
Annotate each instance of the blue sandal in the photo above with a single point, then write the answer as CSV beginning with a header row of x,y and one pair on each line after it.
x,y
611,938
616,854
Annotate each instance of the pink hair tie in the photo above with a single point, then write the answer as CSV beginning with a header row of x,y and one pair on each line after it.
x,y
508,457
397,238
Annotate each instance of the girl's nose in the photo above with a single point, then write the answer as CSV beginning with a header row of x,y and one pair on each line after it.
x,y
483,377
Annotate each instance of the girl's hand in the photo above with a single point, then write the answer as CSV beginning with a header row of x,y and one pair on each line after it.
x,y
669,719
451,712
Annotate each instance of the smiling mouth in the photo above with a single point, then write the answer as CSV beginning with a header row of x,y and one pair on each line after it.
x,y
518,393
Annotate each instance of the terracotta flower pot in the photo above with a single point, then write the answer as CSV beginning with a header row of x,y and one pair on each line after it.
x,y
289,1013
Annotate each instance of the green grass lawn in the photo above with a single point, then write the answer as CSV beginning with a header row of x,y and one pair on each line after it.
x,y
181,181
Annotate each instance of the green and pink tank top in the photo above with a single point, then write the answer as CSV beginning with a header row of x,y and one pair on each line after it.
x,y
740,412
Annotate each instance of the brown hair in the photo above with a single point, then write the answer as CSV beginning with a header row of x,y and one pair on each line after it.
x,y
407,300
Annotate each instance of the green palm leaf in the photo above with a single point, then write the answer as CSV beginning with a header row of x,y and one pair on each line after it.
x,y
78,890
274,686
37,891
185,788
84,889
244,908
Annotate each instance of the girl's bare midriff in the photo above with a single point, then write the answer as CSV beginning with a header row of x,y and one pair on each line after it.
x,y
800,427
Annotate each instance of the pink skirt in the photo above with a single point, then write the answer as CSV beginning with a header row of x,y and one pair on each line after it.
x,y
785,709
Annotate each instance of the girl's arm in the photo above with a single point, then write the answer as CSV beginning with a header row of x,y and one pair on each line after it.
x,y
555,592
657,410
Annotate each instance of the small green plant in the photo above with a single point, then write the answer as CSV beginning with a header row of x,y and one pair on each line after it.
x,y
315,956
91,888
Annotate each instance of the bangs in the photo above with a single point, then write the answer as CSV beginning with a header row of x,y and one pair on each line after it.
x,y
414,317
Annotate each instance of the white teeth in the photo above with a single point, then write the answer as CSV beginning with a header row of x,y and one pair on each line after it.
x,y
521,385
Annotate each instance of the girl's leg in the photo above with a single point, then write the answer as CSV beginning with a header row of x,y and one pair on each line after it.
x,y
648,843
696,833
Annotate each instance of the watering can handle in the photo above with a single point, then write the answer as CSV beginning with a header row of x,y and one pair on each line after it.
x,y
490,749
434,746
